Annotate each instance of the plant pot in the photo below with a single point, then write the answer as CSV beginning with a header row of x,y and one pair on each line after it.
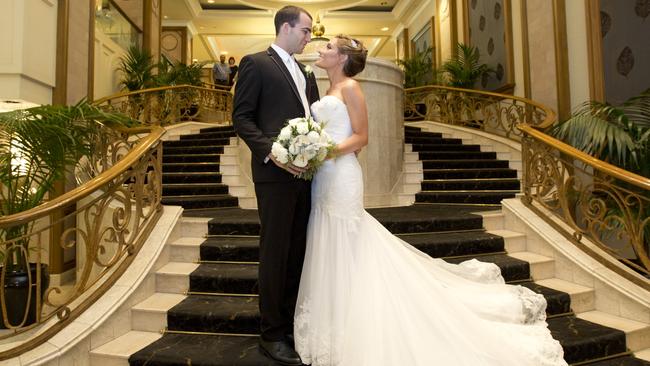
x,y
16,289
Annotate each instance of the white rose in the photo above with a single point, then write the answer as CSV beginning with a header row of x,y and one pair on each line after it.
x,y
300,161
294,148
313,137
311,151
302,128
285,133
280,153
324,138
302,141
295,121
322,153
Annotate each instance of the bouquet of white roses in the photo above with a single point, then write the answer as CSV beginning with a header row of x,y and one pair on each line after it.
x,y
303,142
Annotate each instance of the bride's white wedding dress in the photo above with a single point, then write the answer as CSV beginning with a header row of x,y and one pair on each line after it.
x,y
367,298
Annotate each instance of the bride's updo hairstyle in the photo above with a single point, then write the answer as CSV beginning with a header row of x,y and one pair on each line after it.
x,y
356,52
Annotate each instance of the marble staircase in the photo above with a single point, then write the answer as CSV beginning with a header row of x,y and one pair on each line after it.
x,y
204,311
206,302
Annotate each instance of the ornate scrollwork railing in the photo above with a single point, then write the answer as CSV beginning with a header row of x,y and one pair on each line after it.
x,y
172,104
491,112
106,220
591,198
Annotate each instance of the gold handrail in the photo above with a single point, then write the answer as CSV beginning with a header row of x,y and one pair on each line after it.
x,y
79,193
589,195
114,213
602,166
172,104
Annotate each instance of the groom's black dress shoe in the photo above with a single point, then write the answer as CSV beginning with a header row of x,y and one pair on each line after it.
x,y
290,340
280,351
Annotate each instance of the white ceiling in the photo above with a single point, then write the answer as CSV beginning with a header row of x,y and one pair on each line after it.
x,y
240,32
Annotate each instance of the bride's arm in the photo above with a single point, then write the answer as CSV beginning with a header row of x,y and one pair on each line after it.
x,y
356,104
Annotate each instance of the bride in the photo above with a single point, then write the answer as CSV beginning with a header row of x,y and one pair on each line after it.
x,y
368,298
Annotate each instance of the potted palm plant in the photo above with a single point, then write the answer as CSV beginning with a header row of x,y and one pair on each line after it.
x,y
619,135
37,147
465,68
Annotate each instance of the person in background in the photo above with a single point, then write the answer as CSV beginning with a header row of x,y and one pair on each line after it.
x,y
233,70
221,71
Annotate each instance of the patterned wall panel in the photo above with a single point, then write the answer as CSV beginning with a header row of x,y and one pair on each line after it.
x,y
625,29
487,32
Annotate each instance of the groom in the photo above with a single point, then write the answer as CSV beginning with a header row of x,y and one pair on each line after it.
x,y
273,88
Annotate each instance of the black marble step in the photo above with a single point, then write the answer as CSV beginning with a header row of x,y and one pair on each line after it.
x,y
235,278
231,249
460,155
399,220
432,140
471,184
198,142
464,163
408,133
512,269
620,361
470,197
191,158
201,350
224,278
186,189
557,302
444,147
191,177
470,173
455,244
218,129
216,314
201,201
210,149
190,167
412,128
439,244
209,135
583,340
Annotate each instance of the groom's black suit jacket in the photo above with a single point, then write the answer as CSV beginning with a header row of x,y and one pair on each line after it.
x,y
265,98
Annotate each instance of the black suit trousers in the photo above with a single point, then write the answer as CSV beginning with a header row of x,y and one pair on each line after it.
x,y
284,209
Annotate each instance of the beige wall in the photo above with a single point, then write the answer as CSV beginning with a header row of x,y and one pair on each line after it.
x,y
28,52
133,10
542,52
78,50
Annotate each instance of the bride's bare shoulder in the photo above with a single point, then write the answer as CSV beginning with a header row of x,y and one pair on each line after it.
x,y
351,90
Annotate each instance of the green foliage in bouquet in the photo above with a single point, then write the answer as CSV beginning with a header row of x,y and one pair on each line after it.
x,y
304,143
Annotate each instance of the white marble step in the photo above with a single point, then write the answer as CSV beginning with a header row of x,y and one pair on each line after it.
x,y
583,298
118,351
151,314
514,241
174,277
643,354
637,334
186,249
541,267
194,226
492,220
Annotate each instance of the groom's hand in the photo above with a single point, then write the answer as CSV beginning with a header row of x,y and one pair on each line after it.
x,y
294,170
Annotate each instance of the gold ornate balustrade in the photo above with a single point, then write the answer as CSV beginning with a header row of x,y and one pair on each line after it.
x,y
581,196
106,220
168,105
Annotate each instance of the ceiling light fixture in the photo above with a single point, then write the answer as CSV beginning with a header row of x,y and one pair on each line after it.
x,y
384,29
210,1
317,31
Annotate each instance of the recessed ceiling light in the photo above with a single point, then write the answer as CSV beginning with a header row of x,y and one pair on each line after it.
x,y
210,1
384,29
165,17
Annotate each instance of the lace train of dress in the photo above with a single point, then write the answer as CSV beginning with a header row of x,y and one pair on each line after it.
x,y
367,298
